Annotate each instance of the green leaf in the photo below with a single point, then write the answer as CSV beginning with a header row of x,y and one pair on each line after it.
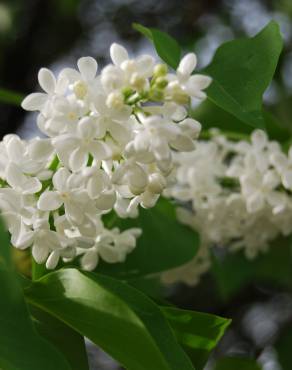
x,y
20,345
164,243
274,267
212,116
198,333
167,47
283,348
144,30
67,340
10,97
236,363
242,70
120,319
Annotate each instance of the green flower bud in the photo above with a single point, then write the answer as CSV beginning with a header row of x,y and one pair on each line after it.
x,y
160,70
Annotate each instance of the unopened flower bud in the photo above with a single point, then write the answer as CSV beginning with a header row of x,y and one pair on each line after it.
x,y
161,83
160,70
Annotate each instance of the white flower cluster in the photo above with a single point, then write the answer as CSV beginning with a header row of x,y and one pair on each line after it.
x,y
109,146
240,196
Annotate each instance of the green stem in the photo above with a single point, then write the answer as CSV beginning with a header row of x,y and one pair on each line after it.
x,y
10,97
54,164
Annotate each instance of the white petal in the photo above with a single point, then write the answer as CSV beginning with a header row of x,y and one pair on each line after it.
x,y
183,143
255,202
191,127
34,101
40,252
145,64
49,201
23,239
90,260
15,149
78,159
60,179
259,138
106,200
47,80
287,179
197,83
87,67
74,212
31,185
64,145
40,149
148,199
95,186
99,150
14,176
53,260
70,74
271,179
157,183
187,64
138,179
100,104
118,54
119,132
87,128
110,254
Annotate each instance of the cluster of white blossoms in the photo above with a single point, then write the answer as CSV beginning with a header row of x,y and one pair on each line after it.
x,y
239,195
108,146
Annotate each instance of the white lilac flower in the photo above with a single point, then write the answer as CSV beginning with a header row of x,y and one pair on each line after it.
x,y
236,197
109,147
184,84
52,87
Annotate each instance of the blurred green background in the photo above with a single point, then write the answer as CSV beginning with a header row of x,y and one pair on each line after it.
x,y
55,33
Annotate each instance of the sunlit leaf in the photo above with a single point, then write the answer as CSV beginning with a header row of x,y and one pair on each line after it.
x,y
120,319
20,345
167,47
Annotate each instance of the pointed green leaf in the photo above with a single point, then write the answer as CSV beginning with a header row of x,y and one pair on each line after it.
x,y
198,333
167,47
213,116
242,70
120,319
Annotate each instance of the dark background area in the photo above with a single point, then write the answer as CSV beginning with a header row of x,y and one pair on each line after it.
x,y
54,33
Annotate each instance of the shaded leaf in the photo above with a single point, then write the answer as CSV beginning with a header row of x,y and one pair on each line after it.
x,y
67,340
236,363
198,333
274,267
10,97
164,243
283,348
